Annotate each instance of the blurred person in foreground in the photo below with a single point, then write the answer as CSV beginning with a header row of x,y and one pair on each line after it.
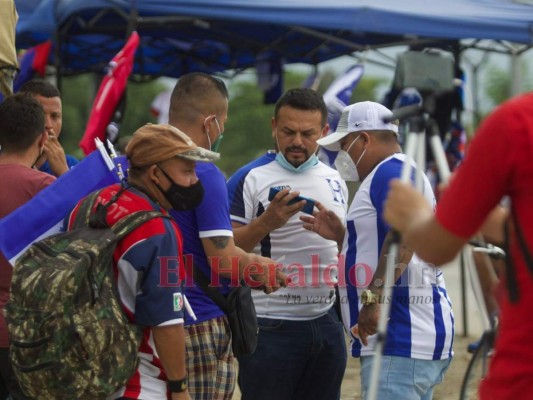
x,y
497,164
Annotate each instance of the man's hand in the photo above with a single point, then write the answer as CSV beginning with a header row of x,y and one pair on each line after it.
x,y
279,211
367,323
55,154
266,276
324,222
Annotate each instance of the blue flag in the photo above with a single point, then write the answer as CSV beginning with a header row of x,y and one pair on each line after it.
x,y
336,97
43,215
339,93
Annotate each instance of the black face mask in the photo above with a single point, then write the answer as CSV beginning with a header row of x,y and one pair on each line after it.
x,y
183,198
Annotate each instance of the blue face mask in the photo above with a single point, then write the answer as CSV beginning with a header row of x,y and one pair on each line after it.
x,y
310,162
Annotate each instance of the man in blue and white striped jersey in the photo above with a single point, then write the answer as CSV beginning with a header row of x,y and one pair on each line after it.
x,y
420,331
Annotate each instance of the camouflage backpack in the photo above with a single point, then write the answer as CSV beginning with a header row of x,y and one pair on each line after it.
x,y
69,337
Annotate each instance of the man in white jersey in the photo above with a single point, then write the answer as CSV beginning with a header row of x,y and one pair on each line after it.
x,y
418,349
301,352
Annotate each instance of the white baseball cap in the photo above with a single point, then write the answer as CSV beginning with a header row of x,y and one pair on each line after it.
x,y
362,116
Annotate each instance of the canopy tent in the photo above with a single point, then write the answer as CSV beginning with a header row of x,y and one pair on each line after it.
x,y
178,36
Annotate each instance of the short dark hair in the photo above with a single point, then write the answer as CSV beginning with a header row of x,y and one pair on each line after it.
x,y
22,122
193,94
40,88
302,99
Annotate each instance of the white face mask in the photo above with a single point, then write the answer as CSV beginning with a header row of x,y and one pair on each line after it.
x,y
345,165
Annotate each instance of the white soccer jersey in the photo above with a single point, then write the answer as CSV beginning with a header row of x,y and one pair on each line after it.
x,y
421,319
308,259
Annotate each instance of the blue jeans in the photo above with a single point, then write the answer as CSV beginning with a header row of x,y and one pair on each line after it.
x,y
404,378
295,360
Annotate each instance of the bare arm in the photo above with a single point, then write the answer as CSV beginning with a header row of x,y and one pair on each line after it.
x,y
232,262
275,216
492,228
170,346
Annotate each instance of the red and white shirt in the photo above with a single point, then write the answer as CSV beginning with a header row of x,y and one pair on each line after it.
x,y
148,269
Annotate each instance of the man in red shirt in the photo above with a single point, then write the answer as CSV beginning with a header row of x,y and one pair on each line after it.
x,y
22,140
499,163
148,262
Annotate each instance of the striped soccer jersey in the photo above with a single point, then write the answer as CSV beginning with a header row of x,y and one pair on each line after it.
x,y
147,284
308,259
421,319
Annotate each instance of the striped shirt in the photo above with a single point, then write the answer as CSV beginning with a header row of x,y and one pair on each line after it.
x,y
421,320
147,266
308,259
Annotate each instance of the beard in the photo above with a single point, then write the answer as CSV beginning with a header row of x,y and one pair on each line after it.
x,y
296,162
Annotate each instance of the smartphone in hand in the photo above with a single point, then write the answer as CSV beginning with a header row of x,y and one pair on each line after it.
x,y
309,205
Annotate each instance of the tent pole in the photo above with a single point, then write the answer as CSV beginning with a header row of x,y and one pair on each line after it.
x,y
57,61
516,72
134,16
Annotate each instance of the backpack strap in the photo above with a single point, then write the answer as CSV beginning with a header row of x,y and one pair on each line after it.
x,y
128,224
510,273
86,216
85,210
204,282
522,244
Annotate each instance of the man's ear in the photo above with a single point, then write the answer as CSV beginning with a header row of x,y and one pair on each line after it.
x,y
325,130
152,174
365,136
274,127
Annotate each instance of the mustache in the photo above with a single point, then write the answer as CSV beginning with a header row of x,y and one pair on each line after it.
x,y
297,148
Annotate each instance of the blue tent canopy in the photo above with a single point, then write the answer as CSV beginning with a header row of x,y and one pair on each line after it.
x,y
216,35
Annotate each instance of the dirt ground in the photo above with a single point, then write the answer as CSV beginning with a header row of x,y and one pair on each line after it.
x,y
447,390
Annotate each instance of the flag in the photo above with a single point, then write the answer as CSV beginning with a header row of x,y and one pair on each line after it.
x,y
109,94
338,94
32,62
312,81
336,97
43,215
269,70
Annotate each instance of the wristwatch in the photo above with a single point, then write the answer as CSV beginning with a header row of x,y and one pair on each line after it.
x,y
368,297
177,386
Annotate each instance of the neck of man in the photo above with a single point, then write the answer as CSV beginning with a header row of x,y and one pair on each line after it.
x,y
381,154
194,131
26,159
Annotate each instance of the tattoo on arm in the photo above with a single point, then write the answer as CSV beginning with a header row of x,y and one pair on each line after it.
x,y
220,242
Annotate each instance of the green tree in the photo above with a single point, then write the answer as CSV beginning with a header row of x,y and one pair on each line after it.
x,y
78,96
498,83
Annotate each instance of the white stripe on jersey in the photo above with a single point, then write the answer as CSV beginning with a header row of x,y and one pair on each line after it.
x,y
127,284
215,232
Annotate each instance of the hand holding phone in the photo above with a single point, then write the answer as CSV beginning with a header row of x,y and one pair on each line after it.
x,y
309,205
